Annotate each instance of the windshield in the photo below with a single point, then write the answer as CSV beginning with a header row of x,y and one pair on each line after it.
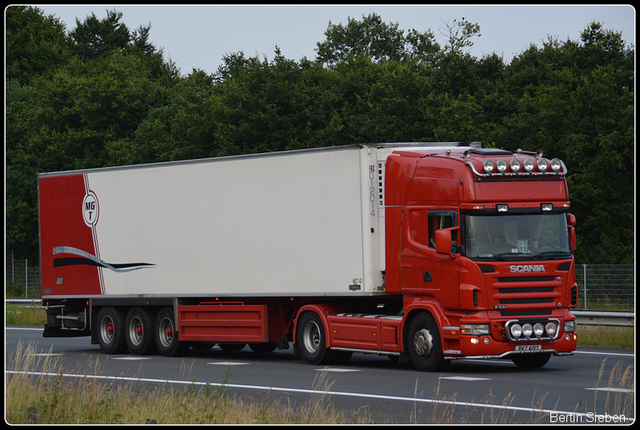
x,y
542,236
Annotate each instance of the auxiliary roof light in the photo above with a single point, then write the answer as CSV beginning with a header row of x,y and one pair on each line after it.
x,y
514,164
501,165
529,165
542,164
556,164
488,166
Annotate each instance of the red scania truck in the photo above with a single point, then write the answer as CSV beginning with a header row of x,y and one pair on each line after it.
x,y
425,252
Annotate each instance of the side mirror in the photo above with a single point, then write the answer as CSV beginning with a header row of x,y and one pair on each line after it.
x,y
571,220
444,242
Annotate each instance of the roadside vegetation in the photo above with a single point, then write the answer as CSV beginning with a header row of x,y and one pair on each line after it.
x,y
37,391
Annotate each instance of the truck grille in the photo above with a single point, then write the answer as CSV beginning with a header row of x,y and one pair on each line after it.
x,y
524,295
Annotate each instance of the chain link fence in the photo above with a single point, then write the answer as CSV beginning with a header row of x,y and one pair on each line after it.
x,y
601,286
22,280
606,286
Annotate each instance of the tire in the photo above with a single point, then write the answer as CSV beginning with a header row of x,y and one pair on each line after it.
x,y
311,340
424,345
231,347
139,331
532,360
167,336
110,328
261,348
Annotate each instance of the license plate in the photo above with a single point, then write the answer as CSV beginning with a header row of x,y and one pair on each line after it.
x,y
528,347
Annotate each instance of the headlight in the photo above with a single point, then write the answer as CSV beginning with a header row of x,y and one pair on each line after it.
x,y
514,165
501,165
527,330
570,326
488,166
475,329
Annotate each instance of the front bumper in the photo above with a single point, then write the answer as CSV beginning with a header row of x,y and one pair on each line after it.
x,y
487,347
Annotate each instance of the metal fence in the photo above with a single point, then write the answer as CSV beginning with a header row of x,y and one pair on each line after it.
x,y
601,286
606,286
22,280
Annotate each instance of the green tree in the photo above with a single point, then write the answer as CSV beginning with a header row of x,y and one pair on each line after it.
x,y
374,39
35,43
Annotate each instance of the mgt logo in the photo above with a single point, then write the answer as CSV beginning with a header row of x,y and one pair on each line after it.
x,y
527,268
90,209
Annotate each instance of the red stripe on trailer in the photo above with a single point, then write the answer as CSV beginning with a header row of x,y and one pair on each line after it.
x,y
62,225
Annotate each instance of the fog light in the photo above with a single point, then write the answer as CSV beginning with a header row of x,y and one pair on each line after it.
x,y
551,329
474,340
516,330
538,329
486,340
502,208
527,330
567,337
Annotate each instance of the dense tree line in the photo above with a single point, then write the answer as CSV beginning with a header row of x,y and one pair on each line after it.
x,y
102,95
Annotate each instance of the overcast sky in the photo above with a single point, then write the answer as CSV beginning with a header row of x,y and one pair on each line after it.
x,y
199,36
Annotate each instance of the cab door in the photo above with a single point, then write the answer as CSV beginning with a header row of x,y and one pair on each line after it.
x,y
423,270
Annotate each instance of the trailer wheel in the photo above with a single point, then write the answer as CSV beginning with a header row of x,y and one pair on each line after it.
x,y
531,361
166,335
311,340
424,344
111,331
139,332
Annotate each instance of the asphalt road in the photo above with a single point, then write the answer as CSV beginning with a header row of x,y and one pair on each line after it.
x,y
470,391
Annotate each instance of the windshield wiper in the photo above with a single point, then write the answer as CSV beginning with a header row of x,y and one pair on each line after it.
x,y
551,254
518,255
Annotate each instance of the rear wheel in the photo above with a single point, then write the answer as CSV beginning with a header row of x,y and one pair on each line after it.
x,y
139,332
111,331
424,344
166,334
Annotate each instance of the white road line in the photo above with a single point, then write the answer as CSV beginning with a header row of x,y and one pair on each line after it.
x,y
305,391
611,389
605,353
131,358
227,363
337,370
464,378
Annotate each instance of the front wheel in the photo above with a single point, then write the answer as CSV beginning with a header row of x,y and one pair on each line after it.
x,y
531,360
166,335
424,344
311,340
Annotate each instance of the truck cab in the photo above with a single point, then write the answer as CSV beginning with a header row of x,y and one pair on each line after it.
x,y
480,241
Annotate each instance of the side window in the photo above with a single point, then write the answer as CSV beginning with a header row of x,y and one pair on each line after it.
x,y
439,220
